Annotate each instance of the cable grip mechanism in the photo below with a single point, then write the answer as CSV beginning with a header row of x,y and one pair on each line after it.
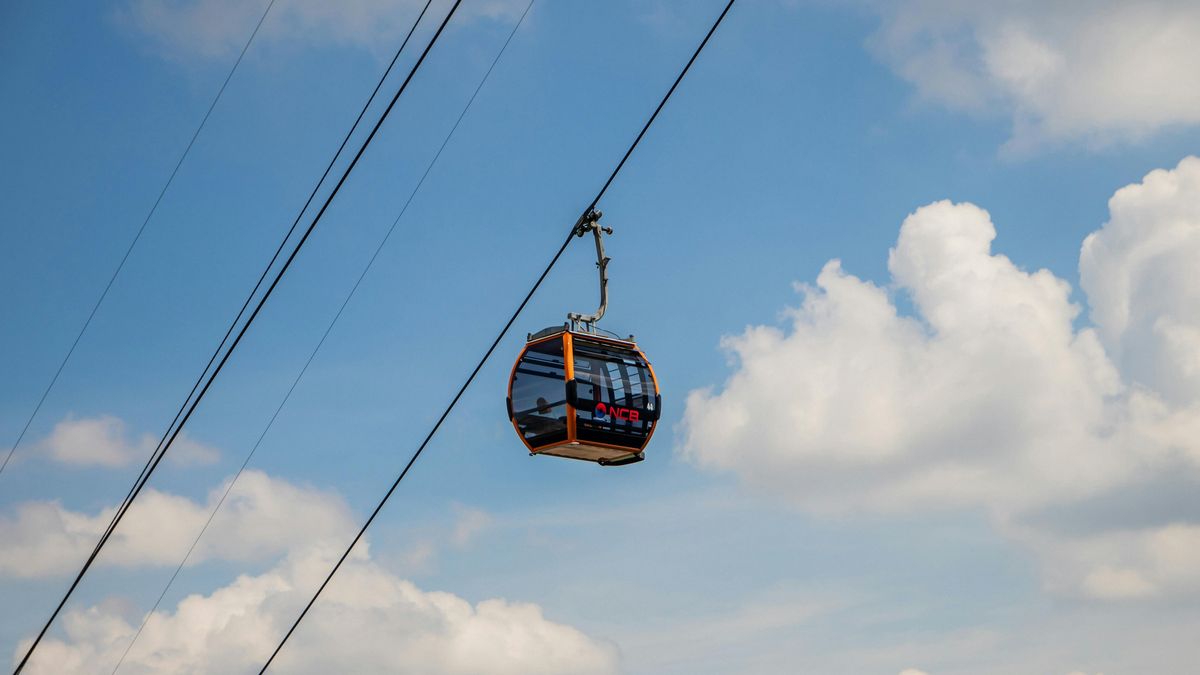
x,y
590,222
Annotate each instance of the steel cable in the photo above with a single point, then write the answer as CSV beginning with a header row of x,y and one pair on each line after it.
x,y
136,237
304,369
500,336
155,460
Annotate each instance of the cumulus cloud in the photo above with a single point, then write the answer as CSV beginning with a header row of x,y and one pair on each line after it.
x,y
990,395
1140,275
1074,71
263,517
368,621
967,405
219,28
104,441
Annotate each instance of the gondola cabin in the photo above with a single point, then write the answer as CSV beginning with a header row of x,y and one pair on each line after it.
x,y
584,396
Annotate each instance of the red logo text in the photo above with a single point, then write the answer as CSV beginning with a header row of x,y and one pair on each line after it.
x,y
626,414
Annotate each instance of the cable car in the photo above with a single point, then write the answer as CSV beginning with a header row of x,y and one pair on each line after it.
x,y
577,393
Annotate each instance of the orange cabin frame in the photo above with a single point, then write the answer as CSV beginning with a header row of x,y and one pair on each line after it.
x,y
572,447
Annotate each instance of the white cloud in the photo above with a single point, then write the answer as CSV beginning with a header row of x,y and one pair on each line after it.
x,y
219,28
913,671
1140,274
1075,71
263,517
91,441
990,396
858,393
367,621
104,441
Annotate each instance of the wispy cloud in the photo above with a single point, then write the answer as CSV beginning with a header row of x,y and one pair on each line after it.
x,y
207,29
105,441
262,518
1094,73
468,524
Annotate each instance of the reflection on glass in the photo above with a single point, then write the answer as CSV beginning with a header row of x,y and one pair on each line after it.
x,y
539,394
613,388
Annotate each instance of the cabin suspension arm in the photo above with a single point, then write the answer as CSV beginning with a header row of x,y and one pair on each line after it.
x,y
590,222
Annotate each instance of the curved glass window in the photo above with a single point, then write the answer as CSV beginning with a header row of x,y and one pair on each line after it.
x,y
615,395
539,394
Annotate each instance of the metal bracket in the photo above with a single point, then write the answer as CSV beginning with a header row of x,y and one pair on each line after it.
x,y
590,222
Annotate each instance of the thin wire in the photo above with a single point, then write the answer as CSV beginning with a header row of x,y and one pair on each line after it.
x,y
492,348
250,320
354,289
121,265
233,324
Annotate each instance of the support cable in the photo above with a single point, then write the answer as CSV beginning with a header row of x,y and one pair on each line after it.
x,y
136,237
266,269
271,263
354,289
144,478
492,348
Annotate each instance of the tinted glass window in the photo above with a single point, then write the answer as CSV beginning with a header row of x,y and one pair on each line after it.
x,y
539,398
615,395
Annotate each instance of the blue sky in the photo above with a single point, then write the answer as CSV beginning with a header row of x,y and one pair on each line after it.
x,y
806,132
